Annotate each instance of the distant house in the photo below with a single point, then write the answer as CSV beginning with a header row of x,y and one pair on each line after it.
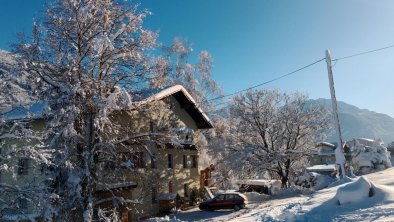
x,y
324,154
323,160
167,172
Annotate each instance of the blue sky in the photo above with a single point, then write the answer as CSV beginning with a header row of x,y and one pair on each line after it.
x,y
254,41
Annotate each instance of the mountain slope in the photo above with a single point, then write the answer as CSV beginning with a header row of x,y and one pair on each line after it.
x,y
356,122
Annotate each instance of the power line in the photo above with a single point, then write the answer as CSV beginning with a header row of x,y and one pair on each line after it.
x,y
272,80
297,70
363,53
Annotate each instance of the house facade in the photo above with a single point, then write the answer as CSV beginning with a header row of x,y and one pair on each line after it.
x,y
162,173
325,154
171,169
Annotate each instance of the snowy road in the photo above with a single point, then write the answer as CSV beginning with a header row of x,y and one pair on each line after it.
x,y
321,206
266,211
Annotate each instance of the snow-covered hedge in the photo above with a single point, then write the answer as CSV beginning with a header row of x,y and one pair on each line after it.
x,y
369,155
313,180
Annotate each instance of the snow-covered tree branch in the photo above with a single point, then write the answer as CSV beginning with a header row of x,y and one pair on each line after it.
x,y
274,132
85,61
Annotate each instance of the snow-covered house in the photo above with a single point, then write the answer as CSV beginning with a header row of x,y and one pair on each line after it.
x,y
160,170
324,154
170,169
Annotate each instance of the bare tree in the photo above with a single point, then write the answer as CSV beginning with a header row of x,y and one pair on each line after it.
x,y
173,67
275,132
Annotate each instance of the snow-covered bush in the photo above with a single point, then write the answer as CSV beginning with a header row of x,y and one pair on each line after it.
x,y
369,155
313,180
254,197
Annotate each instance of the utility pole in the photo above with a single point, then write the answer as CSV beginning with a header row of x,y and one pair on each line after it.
x,y
339,156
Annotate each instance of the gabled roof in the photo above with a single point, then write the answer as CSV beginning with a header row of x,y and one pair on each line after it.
x,y
185,100
333,146
178,92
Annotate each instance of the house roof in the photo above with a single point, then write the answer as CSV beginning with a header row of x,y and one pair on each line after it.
x,y
327,144
321,168
178,92
185,100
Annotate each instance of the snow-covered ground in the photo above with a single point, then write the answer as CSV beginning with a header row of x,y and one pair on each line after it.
x,y
350,203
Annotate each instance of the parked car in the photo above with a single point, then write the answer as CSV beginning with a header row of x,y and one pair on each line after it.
x,y
234,201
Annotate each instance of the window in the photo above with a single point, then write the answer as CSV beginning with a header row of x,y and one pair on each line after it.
x,y
170,186
23,165
152,127
23,204
237,197
184,161
153,161
186,190
170,164
220,197
154,195
194,161
230,197
138,160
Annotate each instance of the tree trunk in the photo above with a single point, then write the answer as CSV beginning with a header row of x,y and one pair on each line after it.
x,y
284,182
88,188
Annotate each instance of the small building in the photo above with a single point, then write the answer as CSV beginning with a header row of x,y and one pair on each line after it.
x,y
325,154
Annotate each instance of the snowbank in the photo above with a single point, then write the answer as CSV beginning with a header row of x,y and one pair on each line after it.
x,y
354,197
322,205
354,192
163,219
341,181
254,197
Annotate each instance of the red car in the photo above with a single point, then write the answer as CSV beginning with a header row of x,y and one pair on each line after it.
x,y
234,201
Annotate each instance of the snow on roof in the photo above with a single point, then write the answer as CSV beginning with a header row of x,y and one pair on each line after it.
x,y
182,96
326,144
321,168
111,186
